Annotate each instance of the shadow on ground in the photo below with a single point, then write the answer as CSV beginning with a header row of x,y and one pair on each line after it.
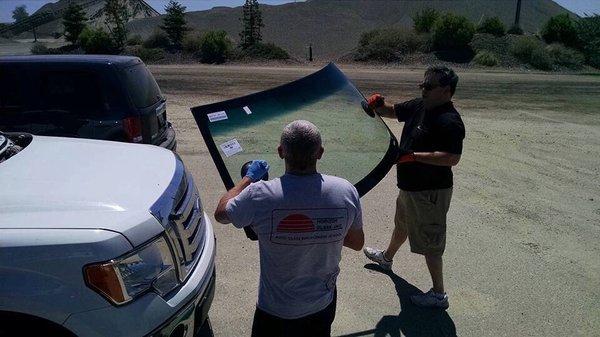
x,y
412,321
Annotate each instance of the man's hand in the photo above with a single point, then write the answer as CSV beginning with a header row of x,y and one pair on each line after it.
x,y
376,101
257,170
406,158
375,104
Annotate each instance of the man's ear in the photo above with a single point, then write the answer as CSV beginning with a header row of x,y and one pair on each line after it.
x,y
280,152
320,153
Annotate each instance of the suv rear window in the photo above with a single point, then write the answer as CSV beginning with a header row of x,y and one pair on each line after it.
x,y
73,91
10,91
141,85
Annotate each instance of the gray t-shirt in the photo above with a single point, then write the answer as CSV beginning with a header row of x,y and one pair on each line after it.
x,y
301,222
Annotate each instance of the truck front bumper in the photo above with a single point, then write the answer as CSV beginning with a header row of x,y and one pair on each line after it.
x,y
188,321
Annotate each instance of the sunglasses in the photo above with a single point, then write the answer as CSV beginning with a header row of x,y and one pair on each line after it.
x,y
428,86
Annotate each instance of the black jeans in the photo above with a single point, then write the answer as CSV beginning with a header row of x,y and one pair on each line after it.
x,y
314,325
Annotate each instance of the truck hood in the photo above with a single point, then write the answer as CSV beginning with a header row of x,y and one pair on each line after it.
x,y
86,184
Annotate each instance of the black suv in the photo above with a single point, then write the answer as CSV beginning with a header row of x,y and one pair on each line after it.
x,y
87,96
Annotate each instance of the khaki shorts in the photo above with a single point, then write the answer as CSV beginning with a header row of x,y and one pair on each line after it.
x,y
422,214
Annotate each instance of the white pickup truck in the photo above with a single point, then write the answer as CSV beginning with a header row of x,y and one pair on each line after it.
x,y
100,239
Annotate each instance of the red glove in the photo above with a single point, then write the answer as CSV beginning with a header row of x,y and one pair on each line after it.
x,y
375,101
406,158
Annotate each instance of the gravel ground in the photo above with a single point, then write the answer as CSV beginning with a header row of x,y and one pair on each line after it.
x,y
522,250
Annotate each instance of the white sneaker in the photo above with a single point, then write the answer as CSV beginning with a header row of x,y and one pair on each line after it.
x,y
431,299
376,256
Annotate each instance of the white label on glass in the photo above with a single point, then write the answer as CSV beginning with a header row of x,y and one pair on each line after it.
x,y
217,116
248,111
231,147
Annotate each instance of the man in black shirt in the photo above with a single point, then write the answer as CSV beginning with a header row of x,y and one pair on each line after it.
x,y
430,145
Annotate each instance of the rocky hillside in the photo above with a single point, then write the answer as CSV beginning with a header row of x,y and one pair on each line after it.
x,y
138,9
333,27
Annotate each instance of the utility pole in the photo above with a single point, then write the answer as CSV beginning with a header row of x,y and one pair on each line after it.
x,y
518,14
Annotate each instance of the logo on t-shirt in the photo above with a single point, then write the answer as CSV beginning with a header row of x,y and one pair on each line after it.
x,y
308,226
296,223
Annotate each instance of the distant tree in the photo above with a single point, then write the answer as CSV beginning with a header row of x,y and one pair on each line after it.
x,y
561,28
174,23
423,21
252,21
493,26
20,13
74,22
588,30
117,16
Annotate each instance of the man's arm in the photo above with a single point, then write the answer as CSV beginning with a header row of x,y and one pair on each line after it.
x,y
256,170
220,212
355,239
438,158
386,110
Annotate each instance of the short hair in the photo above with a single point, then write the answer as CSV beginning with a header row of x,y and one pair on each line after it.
x,y
301,142
446,76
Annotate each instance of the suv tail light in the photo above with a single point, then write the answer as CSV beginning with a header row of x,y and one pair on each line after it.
x,y
133,129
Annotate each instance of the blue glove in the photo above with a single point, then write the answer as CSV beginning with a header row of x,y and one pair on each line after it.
x,y
257,170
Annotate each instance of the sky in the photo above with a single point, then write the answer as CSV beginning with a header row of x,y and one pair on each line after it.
x,y
6,6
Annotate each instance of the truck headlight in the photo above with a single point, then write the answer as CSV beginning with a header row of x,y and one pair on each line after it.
x,y
148,267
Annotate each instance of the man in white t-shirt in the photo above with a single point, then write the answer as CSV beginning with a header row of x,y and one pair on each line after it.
x,y
302,220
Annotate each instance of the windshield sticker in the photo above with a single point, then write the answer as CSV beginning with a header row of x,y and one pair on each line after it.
x,y
299,227
248,111
231,147
217,116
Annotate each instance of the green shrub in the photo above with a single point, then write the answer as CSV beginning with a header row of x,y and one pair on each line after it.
x,y
522,47
191,43
541,59
158,39
135,40
561,28
215,47
486,58
515,30
423,21
264,51
532,51
388,44
39,49
452,32
588,32
565,56
493,26
148,55
488,42
96,41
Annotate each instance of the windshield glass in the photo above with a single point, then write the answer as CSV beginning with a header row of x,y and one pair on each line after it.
x,y
357,147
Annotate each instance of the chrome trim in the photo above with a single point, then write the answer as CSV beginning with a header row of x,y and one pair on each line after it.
x,y
180,212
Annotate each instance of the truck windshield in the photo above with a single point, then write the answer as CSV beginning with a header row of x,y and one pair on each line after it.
x,y
141,85
358,148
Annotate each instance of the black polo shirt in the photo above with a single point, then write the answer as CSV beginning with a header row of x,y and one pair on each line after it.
x,y
440,129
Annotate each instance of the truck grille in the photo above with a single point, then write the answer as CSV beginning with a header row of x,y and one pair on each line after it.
x,y
186,226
